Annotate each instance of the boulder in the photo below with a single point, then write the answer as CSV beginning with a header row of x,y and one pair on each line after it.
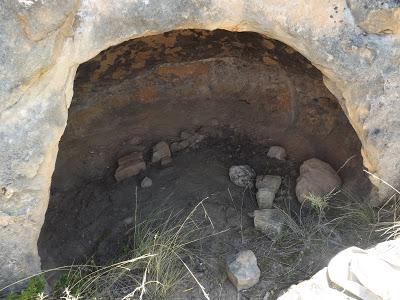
x,y
317,178
129,165
269,221
242,176
277,152
160,151
243,270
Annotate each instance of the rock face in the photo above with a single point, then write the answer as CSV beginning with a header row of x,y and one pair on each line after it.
x,y
243,270
316,178
43,42
242,176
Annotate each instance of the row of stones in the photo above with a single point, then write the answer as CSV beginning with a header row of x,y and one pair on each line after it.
x,y
134,163
317,178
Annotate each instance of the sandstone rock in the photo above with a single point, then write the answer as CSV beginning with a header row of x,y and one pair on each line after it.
x,y
265,198
243,270
242,176
271,182
316,178
130,165
277,152
160,150
269,221
146,182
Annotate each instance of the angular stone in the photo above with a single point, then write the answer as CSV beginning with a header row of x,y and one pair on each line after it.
x,y
277,152
265,198
242,176
270,182
166,161
269,221
146,182
178,146
129,165
160,151
316,178
243,270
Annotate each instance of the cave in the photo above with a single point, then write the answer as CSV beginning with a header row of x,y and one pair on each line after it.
x,y
217,98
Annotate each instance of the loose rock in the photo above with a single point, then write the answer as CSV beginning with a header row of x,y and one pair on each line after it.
x,y
160,151
269,221
166,161
270,182
130,165
277,152
243,270
317,178
146,182
265,198
242,176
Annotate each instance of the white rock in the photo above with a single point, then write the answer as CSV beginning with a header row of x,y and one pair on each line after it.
x,y
243,270
146,182
277,152
316,178
271,182
269,221
265,198
160,151
242,176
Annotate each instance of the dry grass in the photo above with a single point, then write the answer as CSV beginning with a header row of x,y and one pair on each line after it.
x,y
157,259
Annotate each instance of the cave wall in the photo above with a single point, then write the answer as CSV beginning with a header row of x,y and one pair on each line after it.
x,y
152,88
43,43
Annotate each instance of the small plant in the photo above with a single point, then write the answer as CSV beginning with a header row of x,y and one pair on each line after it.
x,y
34,290
320,203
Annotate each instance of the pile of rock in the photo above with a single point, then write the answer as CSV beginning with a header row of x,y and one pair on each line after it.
x,y
134,163
316,177
187,140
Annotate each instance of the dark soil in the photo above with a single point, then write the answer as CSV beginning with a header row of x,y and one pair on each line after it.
x,y
92,222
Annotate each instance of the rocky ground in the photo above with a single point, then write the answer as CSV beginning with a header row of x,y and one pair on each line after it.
x,y
94,222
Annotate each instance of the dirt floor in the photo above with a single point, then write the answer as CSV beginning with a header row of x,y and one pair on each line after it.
x,y
94,221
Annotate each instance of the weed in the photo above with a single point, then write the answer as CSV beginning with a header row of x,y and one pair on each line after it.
x,y
34,288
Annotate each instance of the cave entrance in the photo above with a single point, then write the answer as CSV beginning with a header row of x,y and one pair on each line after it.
x,y
217,99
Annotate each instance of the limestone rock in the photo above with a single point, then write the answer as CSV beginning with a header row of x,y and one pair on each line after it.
x,y
265,198
271,182
243,270
242,176
317,178
146,182
269,221
160,150
277,152
130,165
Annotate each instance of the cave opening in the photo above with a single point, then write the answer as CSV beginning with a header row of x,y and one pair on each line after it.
x,y
215,99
